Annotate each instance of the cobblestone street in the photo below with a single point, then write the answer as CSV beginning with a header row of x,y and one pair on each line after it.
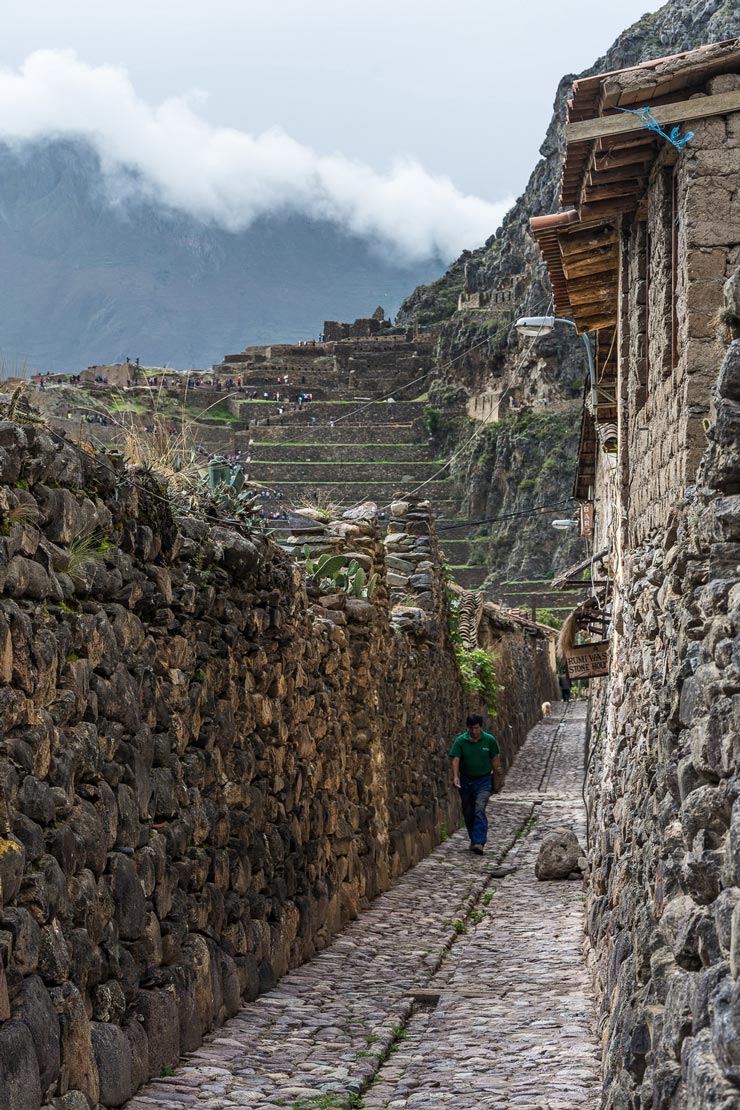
x,y
457,988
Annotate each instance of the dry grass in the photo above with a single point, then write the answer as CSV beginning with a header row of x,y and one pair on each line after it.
x,y
25,512
325,503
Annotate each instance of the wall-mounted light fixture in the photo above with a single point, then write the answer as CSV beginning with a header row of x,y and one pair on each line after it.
x,y
534,326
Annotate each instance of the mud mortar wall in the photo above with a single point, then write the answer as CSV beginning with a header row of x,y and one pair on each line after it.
x,y
204,772
664,901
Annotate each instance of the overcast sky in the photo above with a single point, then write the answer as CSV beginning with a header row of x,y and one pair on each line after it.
x,y
407,88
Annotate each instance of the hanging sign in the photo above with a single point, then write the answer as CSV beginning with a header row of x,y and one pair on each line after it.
x,y
587,519
588,660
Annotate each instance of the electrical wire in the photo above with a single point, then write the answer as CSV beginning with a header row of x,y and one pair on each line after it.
x,y
479,430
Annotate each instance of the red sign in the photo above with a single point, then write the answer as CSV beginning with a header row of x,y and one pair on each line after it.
x,y
587,519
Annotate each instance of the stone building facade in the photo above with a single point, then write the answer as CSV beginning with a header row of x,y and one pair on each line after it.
x,y
646,258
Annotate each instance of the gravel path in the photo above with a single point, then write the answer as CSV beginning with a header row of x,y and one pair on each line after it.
x,y
456,988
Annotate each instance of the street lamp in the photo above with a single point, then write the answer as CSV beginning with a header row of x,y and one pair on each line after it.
x,y
534,326
564,525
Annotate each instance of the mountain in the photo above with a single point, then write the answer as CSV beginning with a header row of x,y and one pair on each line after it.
x,y
91,281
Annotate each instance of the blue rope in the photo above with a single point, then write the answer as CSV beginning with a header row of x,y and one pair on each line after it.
x,y
650,122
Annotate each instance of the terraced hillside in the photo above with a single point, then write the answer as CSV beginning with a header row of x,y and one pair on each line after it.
x,y
362,436
327,427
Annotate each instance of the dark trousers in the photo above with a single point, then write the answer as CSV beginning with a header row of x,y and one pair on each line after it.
x,y
475,790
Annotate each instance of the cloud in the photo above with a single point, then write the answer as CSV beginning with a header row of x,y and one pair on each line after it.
x,y
229,177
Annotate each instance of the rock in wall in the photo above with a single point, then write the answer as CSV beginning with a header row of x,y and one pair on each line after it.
x,y
205,770
664,901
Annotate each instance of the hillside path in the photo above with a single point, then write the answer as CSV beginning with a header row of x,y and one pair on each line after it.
x,y
457,988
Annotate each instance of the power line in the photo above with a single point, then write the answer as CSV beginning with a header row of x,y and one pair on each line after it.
x,y
506,516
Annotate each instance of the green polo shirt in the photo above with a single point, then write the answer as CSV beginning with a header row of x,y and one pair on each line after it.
x,y
475,755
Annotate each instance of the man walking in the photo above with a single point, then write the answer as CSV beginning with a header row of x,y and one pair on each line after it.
x,y
475,754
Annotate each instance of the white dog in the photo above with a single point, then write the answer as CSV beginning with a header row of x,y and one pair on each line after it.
x,y
546,709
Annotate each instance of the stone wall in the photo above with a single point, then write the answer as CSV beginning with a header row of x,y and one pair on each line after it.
x,y
206,770
664,899
679,260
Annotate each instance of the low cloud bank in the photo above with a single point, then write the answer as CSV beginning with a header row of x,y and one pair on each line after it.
x,y
167,152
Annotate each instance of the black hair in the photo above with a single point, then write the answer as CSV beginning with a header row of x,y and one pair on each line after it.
x,y
474,719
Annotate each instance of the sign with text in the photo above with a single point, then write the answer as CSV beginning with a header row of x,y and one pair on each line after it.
x,y
588,660
587,519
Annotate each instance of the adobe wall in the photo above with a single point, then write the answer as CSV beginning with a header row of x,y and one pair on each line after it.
x,y
670,382
663,906
205,771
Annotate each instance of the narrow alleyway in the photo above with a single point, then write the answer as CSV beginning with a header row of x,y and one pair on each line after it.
x,y
457,988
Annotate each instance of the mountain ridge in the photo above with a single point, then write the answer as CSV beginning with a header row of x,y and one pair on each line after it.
x,y
94,281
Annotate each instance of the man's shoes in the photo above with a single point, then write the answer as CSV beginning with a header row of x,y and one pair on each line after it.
x,y
477,848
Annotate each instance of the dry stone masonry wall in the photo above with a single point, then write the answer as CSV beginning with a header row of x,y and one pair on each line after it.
x,y
664,904
205,770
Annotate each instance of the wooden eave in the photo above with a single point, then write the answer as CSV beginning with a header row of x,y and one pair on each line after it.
x,y
569,580
582,261
609,158
600,137
585,478
663,76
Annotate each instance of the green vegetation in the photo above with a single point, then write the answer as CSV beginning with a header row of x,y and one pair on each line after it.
x,y
476,665
526,828
546,616
221,411
458,925
331,573
443,834
479,676
325,1100
85,551
124,404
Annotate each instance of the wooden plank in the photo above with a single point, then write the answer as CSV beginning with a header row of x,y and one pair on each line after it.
x,y
623,123
605,173
586,239
594,321
633,142
588,267
593,295
635,162
625,188
604,209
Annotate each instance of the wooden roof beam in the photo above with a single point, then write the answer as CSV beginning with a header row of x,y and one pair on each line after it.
x,y
586,239
589,267
624,123
590,295
627,187
594,320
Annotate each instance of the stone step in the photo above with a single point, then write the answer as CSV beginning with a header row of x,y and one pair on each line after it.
x,y
351,493
347,412
461,551
329,379
399,453
380,432
470,578
407,473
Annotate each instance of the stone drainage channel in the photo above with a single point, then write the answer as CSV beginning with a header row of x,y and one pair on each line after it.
x,y
462,986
